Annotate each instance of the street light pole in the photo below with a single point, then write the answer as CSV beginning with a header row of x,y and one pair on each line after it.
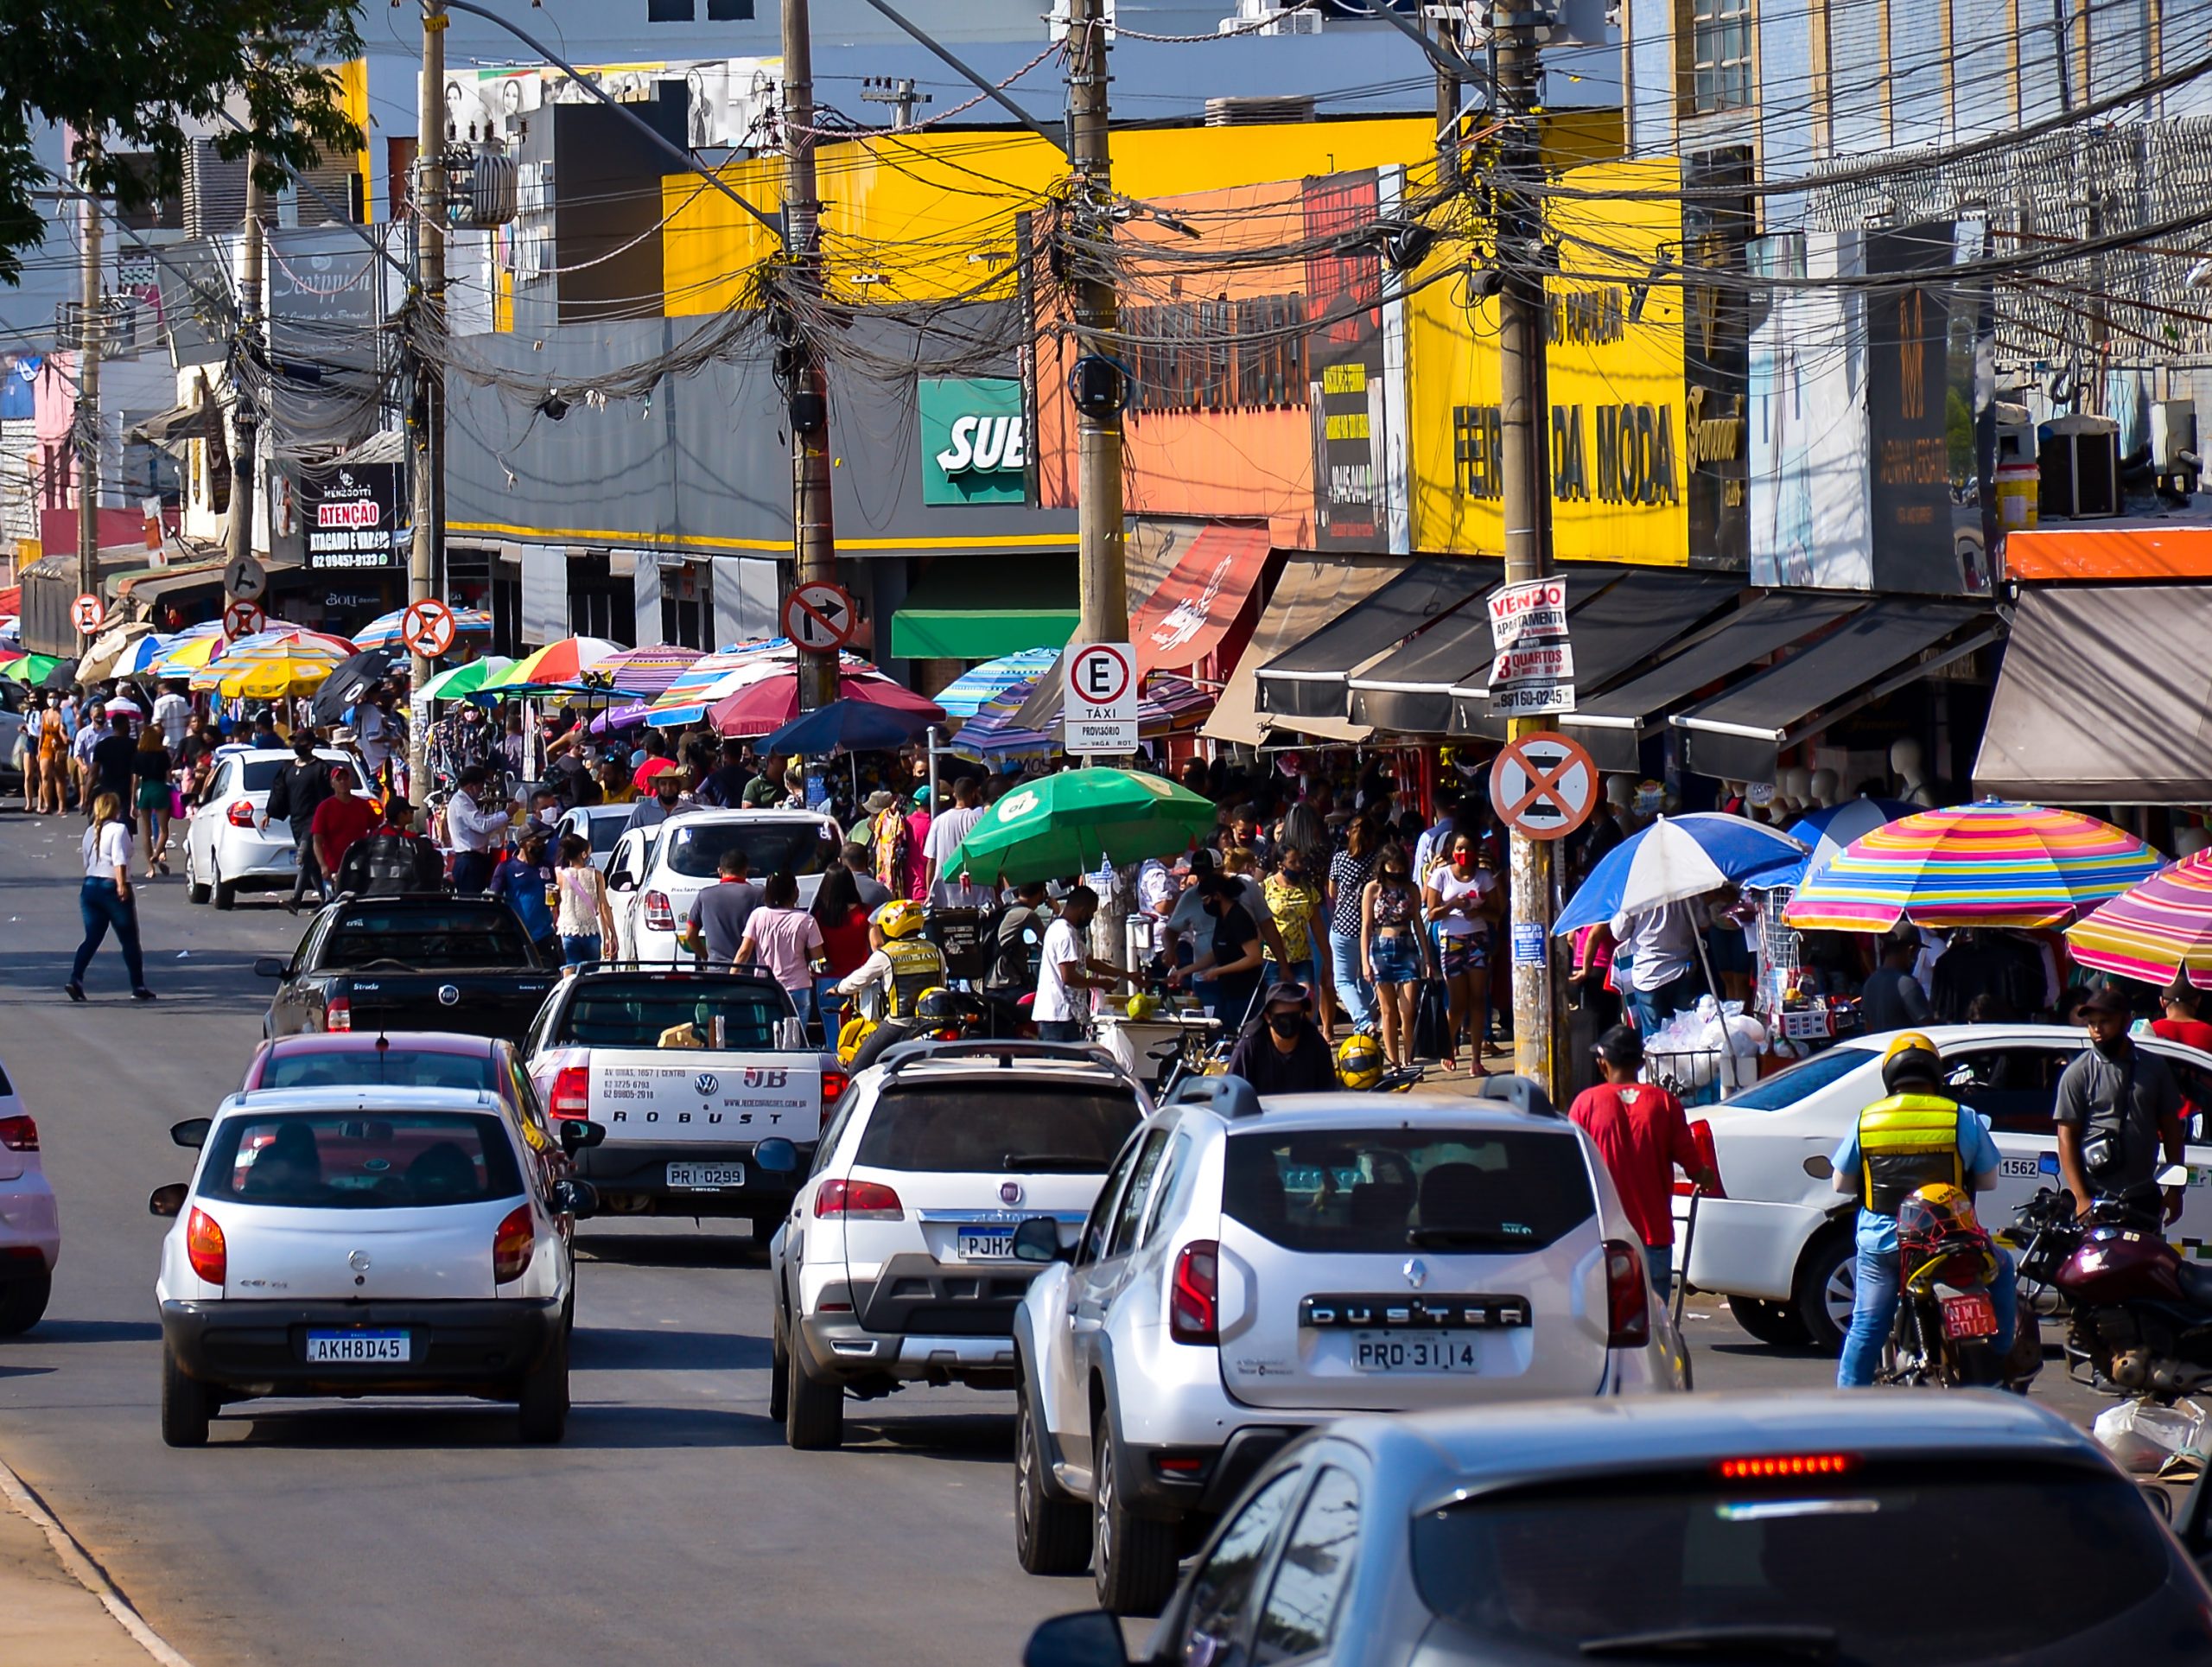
x,y
806,382
426,208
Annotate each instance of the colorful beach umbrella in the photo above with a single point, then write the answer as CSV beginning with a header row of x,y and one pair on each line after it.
x,y
561,665
384,630
976,687
457,681
1070,822
38,670
1166,705
771,702
1992,864
647,671
1827,830
1680,856
266,678
2154,930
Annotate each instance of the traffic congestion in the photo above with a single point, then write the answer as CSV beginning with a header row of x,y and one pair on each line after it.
x,y
1314,1335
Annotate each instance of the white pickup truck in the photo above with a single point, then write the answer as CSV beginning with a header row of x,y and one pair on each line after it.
x,y
687,1071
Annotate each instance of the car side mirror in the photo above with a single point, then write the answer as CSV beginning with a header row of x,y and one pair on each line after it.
x,y
2174,1175
192,1132
621,882
270,966
579,1198
578,1134
168,1200
1092,1638
1038,1240
777,1156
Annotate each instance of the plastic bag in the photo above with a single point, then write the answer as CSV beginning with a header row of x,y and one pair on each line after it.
x,y
2145,1437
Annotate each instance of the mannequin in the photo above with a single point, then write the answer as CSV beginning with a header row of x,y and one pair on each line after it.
x,y
2187,842
1620,793
1909,764
1794,787
1825,785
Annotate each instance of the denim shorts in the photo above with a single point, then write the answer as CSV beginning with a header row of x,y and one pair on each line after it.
x,y
1397,960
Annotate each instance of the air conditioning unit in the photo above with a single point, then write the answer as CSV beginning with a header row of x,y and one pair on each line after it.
x,y
2080,460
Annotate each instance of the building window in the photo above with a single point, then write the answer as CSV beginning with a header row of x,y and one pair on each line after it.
x,y
670,11
1721,55
729,11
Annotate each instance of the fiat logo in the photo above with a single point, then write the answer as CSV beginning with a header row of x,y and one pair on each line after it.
x,y
706,1082
1009,1192
448,995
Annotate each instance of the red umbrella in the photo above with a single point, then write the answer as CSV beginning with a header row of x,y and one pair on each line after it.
x,y
766,706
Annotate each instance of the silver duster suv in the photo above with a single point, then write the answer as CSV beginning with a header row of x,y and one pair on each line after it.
x,y
1251,1270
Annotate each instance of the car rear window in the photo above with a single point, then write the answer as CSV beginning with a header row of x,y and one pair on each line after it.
x,y
603,830
396,1066
627,1013
427,939
360,1159
1885,1556
1786,1088
793,846
968,1127
1380,1190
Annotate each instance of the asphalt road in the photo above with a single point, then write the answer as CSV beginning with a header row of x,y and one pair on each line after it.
x,y
671,1525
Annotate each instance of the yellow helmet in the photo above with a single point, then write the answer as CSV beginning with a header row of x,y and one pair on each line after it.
x,y
900,918
1359,1062
1910,1058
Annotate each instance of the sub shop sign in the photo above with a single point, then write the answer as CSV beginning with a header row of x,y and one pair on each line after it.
x,y
349,514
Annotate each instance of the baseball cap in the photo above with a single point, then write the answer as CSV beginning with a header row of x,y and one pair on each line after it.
x,y
1622,1046
1289,994
2103,998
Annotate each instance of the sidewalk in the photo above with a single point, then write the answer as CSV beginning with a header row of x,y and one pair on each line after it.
x,y
47,1614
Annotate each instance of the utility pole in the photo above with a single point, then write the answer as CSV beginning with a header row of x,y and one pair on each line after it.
x,y
239,539
899,93
92,338
1096,383
804,378
425,205
1524,455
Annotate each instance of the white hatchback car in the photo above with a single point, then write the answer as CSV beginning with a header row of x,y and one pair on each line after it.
x,y
1779,1246
896,1263
599,826
226,849
1253,1269
656,872
365,1240
30,1226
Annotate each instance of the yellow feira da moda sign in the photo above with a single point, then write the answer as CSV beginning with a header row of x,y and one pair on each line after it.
x,y
1620,435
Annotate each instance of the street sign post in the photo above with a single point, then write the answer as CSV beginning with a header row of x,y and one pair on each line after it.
x,y
1543,785
427,627
246,579
819,615
241,618
89,613
1099,711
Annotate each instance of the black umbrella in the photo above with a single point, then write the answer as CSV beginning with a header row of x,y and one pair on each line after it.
x,y
352,681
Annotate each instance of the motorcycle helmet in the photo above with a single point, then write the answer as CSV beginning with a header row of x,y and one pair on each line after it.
x,y
1911,1061
1933,1214
900,918
1359,1062
937,1006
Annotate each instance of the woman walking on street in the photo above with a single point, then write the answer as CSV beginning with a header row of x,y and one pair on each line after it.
x,y
105,899
152,770
1389,950
52,760
845,944
1459,895
1350,870
585,922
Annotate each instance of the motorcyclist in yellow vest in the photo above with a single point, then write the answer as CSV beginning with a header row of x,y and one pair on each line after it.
x,y
1914,1137
893,978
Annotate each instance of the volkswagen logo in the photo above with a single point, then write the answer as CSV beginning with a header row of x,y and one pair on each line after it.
x,y
359,1262
448,995
706,1082
1009,1192
1416,1272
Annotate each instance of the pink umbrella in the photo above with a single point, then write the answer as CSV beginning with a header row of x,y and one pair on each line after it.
x,y
767,706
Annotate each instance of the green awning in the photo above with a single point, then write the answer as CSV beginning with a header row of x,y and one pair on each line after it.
x,y
976,607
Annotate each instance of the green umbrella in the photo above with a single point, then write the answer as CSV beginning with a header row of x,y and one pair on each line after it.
x,y
37,671
465,680
1070,822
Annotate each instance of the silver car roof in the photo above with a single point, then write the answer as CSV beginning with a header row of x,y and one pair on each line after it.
x,y
360,1097
1346,1109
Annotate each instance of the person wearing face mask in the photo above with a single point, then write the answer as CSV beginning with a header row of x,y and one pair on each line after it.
x,y
1233,960
1295,905
1458,900
1284,1053
2118,1109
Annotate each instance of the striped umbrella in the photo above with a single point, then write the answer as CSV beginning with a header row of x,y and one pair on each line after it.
x,y
647,671
457,681
1992,864
384,630
558,664
39,671
1166,705
2154,930
715,678
771,702
976,687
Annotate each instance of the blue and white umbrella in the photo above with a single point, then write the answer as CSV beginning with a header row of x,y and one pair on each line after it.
x,y
1827,830
384,630
1680,856
142,656
976,687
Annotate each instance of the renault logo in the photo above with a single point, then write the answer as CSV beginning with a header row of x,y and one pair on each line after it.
x,y
706,1082
1416,1272
448,995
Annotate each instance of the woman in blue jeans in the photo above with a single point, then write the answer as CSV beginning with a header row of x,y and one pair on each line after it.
x,y
105,898
1349,872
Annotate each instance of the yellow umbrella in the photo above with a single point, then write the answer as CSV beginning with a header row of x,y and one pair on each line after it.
x,y
189,655
267,679
212,677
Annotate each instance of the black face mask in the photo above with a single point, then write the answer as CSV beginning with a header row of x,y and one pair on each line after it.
x,y
1283,1024
2113,1048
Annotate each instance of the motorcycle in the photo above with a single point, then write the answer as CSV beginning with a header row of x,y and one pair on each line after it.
x,y
1945,1333
2139,1314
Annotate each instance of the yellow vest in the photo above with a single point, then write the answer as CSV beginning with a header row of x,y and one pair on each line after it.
x,y
1905,1142
917,964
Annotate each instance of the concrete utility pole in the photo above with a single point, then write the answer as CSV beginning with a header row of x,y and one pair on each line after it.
x,y
238,540
426,206
1097,384
806,381
1538,1018
92,338
897,91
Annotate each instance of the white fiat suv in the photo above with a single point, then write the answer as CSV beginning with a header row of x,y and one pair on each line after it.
x,y
1253,1269
896,1263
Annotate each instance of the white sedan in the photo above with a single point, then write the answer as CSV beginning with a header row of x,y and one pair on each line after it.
x,y
30,1227
225,849
1779,1246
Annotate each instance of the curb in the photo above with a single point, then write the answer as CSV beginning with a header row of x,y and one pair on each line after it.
x,y
87,1572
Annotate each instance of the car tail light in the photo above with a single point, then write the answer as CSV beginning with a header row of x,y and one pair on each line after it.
x,y
660,915
19,1134
834,1084
571,1096
338,1014
859,1200
512,1246
204,1247
1193,1305
1701,1138
1784,1464
1628,1295
241,813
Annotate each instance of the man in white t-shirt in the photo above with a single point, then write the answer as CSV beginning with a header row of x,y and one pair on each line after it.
x,y
949,826
172,712
1067,973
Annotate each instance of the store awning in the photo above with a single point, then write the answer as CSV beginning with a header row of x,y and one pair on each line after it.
x,y
2104,697
1309,592
976,607
1628,623
1613,723
1741,735
1309,679
1408,691
1190,610
155,584
179,423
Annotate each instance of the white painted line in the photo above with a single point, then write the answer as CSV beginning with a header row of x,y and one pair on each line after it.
x,y
88,1573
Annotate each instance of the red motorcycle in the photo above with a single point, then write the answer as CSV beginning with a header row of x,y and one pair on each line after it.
x,y
1945,1333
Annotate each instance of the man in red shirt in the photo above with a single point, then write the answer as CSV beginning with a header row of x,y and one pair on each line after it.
x,y
657,762
1642,1133
2183,1002
339,820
